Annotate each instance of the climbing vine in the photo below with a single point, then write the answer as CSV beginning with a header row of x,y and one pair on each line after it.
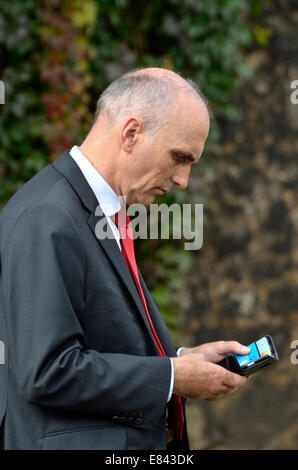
x,y
57,56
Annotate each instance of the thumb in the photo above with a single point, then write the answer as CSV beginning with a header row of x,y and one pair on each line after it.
x,y
241,349
236,348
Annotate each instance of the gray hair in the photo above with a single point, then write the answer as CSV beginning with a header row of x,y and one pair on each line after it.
x,y
147,94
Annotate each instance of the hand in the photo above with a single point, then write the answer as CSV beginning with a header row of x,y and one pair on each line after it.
x,y
195,377
217,350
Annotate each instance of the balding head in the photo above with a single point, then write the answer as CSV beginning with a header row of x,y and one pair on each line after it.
x,y
151,126
151,93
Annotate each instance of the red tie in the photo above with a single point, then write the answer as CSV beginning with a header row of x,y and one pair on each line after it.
x,y
123,223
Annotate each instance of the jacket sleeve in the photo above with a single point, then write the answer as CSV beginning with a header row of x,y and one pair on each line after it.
x,y
44,273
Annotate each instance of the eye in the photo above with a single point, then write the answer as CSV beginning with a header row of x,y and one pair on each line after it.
x,y
180,158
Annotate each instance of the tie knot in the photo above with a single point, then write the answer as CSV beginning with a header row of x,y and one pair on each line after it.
x,y
121,218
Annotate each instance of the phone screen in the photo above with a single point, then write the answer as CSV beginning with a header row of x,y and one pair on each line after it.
x,y
258,349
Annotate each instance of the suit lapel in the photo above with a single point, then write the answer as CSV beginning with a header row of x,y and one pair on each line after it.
x,y
160,327
111,248
70,170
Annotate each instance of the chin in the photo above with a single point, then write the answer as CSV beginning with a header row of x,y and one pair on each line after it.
x,y
149,199
145,200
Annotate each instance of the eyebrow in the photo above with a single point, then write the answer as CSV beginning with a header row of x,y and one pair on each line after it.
x,y
190,156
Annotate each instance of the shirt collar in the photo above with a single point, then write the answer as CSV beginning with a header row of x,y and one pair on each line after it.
x,y
107,198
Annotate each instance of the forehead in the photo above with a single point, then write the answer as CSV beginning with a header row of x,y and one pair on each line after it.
x,y
188,128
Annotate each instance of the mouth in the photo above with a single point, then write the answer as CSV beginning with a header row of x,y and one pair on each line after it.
x,y
162,191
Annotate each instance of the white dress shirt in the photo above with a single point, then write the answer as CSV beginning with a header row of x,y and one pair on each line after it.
x,y
110,205
105,195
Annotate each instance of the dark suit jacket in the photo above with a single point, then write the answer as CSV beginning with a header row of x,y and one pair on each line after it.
x,y
81,367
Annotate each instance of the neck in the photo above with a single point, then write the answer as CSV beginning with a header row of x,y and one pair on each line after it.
x,y
103,160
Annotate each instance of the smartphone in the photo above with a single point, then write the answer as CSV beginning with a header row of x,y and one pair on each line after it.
x,y
262,353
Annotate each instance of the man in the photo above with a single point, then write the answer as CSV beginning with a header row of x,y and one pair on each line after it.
x,y
89,362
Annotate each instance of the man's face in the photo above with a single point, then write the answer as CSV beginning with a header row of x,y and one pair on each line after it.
x,y
159,163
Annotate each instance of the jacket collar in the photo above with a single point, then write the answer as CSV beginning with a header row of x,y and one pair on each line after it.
x,y
66,165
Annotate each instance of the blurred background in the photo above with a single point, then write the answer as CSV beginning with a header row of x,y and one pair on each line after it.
x,y
56,56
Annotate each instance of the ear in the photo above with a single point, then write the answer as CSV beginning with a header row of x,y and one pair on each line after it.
x,y
131,130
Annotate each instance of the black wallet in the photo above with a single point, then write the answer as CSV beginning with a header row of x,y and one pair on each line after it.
x,y
231,363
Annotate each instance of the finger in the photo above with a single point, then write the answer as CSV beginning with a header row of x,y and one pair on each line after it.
x,y
232,380
224,391
233,347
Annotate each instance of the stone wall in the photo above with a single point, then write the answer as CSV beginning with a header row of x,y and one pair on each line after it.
x,y
244,281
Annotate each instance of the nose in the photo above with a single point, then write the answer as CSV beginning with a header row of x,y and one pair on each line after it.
x,y
181,179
